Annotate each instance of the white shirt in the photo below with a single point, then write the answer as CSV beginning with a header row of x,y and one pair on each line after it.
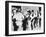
x,y
18,16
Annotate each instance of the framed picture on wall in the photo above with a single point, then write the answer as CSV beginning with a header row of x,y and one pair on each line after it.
x,y
24,18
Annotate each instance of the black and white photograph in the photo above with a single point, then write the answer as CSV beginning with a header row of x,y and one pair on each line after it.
x,y
24,18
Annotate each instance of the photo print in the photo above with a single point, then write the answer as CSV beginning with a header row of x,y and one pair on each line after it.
x,y
25,18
